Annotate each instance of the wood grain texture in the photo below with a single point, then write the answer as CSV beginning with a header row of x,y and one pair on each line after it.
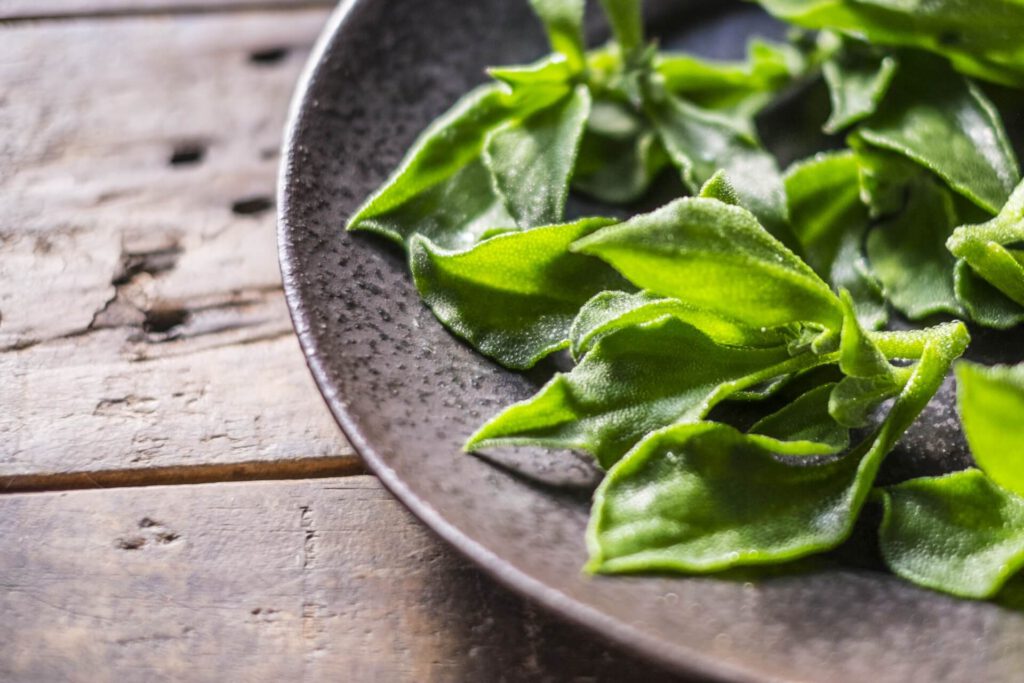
x,y
327,580
142,324
36,9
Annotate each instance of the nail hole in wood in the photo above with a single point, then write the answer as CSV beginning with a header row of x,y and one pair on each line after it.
x,y
271,55
159,320
252,205
186,154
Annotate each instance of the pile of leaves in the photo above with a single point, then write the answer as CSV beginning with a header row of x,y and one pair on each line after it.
x,y
764,287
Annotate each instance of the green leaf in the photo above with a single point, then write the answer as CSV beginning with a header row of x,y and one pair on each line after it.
x,y
944,123
716,257
853,400
960,534
981,37
991,402
620,154
807,420
632,382
701,142
857,79
700,498
532,159
563,20
984,248
627,23
908,255
514,296
718,187
611,311
830,222
985,304
442,189
858,354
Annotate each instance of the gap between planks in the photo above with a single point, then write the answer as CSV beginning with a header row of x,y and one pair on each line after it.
x,y
308,468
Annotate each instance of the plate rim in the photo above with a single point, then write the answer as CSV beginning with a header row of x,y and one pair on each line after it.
x,y
680,659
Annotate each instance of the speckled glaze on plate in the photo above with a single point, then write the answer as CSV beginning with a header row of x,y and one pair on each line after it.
x,y
407,394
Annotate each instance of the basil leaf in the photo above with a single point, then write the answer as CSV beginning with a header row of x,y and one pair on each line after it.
x,y
907,251
627,23
984,248
610,311
960,534
857,81
514,296
632,382
807,420
991,402
563,20
700,498
532,159
944,123
985,304
700,143
716,257
981,37
830,222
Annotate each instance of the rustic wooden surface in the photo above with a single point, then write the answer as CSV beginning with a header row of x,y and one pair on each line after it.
x,y
266,581
144,341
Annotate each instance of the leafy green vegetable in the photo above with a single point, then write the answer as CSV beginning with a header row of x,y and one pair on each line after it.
x,y
964,533
858,79
980,37
991,402
627,23
701,143
960,534
532,159
830,222
563,20
716,257
610,311
807,419
699,498
943,122
633,381
514,296
989,248
985,304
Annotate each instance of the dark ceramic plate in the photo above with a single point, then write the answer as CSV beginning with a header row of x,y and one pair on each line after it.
x,y
407,394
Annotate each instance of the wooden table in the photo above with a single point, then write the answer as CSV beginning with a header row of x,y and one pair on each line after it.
x,y
177,503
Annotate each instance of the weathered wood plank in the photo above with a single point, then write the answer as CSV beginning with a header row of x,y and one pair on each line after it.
x,y
34,9
141,318
323,580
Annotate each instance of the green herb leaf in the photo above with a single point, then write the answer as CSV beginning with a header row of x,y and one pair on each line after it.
x,y
960,534
984,248
632,382
716,257
701,142
700,498
858,78
620,154
532,159
611,311
830,222
627,23
981,37
944,123
563,20
514,296
985,304
442,189
991,402
807,420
